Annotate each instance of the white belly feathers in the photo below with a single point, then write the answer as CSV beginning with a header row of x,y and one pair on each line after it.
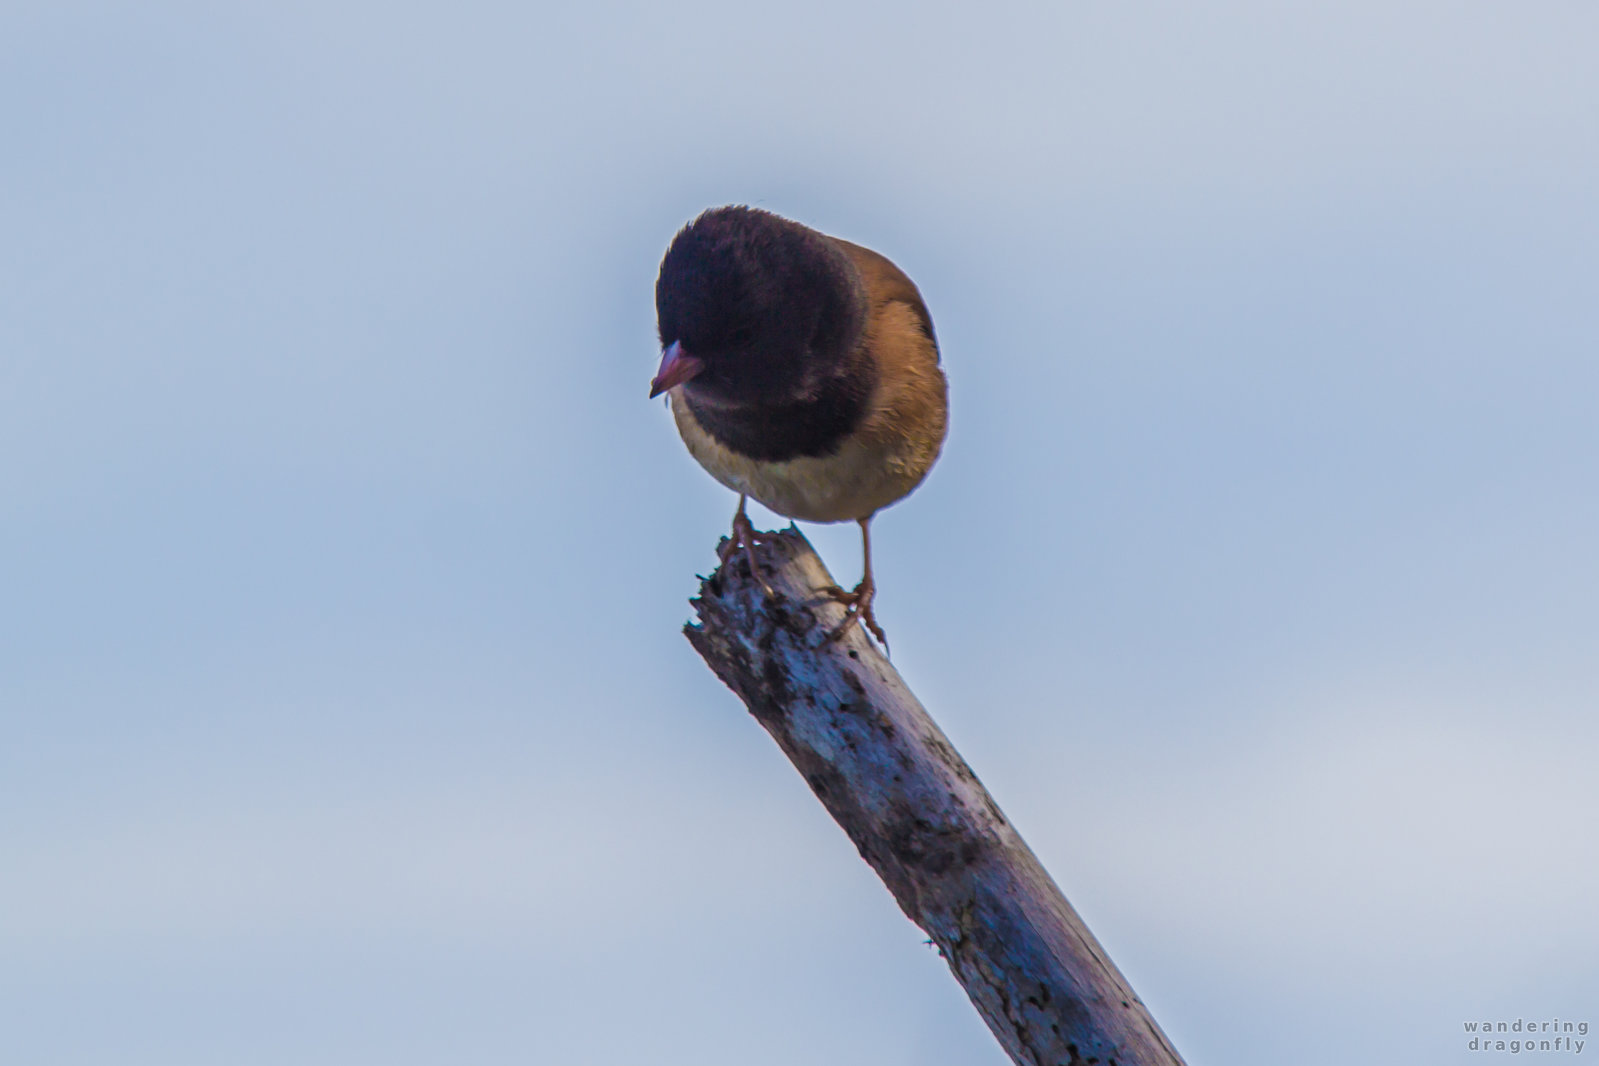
x,y
869,472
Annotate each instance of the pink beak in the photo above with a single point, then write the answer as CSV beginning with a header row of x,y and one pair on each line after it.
x,y
677,366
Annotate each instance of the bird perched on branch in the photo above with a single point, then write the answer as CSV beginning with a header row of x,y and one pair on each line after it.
x,y
802,370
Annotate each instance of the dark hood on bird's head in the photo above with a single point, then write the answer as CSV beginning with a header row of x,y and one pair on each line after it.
x,y
771,307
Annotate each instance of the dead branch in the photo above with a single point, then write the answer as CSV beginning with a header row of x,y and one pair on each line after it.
x,y
918,815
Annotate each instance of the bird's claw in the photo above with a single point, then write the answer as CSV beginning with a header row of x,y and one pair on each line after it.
x,y
857,608
744,536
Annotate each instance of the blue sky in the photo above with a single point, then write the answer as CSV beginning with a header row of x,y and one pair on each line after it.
x,y
344,714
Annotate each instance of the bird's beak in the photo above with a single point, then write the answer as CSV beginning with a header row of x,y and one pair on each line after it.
x,y
677,366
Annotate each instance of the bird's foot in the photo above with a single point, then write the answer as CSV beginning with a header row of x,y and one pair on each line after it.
x,y
744,536
857,608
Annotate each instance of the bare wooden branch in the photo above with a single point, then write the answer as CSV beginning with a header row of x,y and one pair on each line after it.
x,y
918,815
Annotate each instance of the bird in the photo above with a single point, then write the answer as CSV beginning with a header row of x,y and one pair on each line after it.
x,y
802,371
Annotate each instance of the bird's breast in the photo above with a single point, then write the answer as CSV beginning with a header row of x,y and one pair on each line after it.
x,y
861,477
879,461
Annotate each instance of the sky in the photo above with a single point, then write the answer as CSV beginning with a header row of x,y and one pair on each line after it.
x,y
345,715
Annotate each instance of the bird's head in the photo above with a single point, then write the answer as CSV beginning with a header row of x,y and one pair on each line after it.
x,y
754,309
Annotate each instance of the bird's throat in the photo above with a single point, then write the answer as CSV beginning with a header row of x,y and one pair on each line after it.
x,y
775,432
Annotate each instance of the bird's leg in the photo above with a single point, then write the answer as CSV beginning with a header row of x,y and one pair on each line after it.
x,y
858,604
743,534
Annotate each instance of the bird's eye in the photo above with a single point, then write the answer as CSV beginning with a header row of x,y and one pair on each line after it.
x,y
741,337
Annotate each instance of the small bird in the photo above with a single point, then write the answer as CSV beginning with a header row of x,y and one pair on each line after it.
x,y
802,370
